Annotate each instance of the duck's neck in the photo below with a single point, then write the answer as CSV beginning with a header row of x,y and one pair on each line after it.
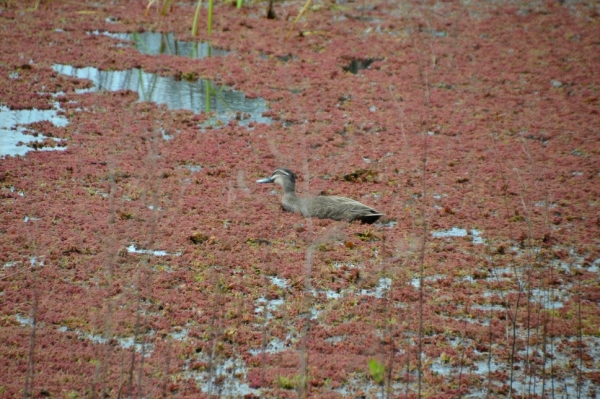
x,y
289,188
290,201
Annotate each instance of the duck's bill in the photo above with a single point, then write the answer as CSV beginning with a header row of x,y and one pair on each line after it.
x,y
265,180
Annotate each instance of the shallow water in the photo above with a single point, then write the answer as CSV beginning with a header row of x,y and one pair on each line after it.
x,y
155,43
458,232
12,130
225,103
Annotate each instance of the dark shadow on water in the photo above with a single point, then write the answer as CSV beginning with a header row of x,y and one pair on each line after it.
x,y
154,43
226,104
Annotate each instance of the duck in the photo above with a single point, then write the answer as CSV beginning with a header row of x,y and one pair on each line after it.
x,y
321,206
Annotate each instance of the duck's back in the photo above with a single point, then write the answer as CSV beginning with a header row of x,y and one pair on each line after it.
x,y
338,208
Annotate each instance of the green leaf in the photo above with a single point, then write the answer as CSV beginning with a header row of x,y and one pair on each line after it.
x,y
377,370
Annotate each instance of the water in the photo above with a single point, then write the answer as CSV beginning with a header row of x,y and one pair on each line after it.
x,y
383,286
123,342
416,281
274,346
155,43
24,321
457,232
269,304
12,131
226,379
389,224
226,104
278,281
192,167
133,249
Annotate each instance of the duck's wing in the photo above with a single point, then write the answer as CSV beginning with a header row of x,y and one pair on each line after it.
x,y
342,208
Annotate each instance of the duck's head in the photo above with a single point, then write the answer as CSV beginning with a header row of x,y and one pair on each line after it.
x,y
282,176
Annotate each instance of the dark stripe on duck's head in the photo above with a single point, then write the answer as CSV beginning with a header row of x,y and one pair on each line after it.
x,y
282,173
285,172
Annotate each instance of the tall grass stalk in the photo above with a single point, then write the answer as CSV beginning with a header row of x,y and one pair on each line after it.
x,y
552,334
532,262
461,345
210,17
196,17
422,258
303,386
579,342
166,372
264,341
425,79
35,284
165,7
391,328
488,389
29,376
150,3
216,329
136,331
425,82
513,341
298,17
111,249
303,382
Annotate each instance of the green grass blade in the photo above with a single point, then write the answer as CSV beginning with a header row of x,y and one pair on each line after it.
x,y
210,17
298,17
196,15
165,7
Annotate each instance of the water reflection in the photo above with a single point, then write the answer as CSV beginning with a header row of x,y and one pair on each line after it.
x,y
196,96
155,43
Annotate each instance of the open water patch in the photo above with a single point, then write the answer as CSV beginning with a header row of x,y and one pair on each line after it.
x,y
270,305
24,321
224,377
380,290
155,43
197,96
457,232
13,137
274,346
124,342
133,249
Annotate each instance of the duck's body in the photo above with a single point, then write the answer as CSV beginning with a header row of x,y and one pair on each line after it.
x,y
323,207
